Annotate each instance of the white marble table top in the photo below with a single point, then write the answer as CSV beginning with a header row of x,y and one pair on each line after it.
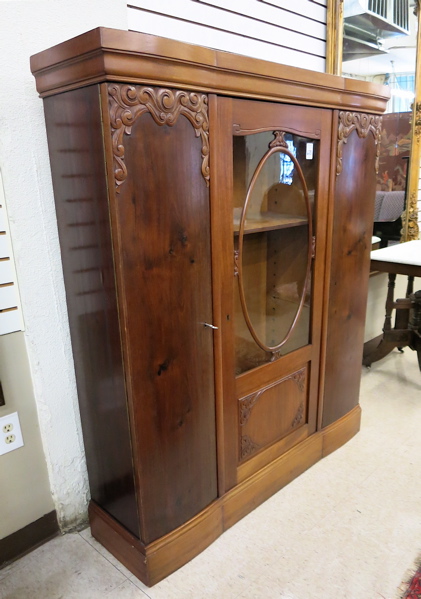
x,y
401,253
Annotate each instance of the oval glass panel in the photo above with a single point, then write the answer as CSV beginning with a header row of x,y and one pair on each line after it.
x,y
274,250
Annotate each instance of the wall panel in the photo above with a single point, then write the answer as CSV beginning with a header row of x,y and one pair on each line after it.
x,y
275,30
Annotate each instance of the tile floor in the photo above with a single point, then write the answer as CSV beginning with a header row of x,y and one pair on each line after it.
x,y
348,528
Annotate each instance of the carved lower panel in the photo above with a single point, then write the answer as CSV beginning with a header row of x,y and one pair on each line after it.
x,y
272,412
128,102
363,124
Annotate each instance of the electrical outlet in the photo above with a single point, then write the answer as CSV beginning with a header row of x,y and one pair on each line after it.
x,y
10,433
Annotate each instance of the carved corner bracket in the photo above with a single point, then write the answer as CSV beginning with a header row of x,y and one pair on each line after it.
x,y
128,102
246,406
299,379
298,416
363,124
248,447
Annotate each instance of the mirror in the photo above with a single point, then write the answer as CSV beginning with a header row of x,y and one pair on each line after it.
x,y
378,40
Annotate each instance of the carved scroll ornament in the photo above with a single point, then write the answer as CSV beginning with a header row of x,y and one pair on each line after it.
x,y
279,141
363,124
128,102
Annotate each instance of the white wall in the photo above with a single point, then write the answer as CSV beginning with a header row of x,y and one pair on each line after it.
x,y
28,27
25,494
291,32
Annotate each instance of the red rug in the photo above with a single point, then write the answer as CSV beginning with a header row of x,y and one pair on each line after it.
x,y
413,591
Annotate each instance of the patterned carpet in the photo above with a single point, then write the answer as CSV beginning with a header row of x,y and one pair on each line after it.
x,y
412,588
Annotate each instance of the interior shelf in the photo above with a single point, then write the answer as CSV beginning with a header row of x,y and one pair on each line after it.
x,y
269,221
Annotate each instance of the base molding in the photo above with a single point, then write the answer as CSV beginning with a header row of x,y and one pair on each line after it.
x,y
153,562
28,538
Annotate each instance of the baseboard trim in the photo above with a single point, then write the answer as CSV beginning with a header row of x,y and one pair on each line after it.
x,y
28,538
153,562
340,432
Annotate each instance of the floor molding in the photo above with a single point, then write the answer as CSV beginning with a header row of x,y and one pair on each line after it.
x,y
28,538
151,563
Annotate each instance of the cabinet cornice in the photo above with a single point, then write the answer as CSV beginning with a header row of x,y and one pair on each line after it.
x,y
104,54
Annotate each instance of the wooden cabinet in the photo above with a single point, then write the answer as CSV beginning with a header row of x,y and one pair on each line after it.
x,y
214,215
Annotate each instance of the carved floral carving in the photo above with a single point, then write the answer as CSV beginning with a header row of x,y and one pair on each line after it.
x,y
300,378
128,102
248,447
275,355
298,416
279,141
363,124
246,406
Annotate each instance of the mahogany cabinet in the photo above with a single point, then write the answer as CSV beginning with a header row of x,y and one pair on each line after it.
x,y
214,214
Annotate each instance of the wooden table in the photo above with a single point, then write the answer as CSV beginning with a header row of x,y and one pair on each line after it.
x,y
405,259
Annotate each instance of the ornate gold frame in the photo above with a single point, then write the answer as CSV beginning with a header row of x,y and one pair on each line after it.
x,y
335,25
410,225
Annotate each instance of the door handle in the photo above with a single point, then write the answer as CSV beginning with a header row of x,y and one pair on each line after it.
x,y
211,326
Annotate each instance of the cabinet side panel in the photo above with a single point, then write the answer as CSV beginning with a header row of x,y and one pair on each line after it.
x,y
77,160
162,212
350,259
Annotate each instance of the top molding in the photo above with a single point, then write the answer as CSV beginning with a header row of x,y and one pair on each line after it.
x,y
112,55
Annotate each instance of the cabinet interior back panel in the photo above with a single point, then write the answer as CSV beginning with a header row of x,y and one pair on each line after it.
x,y
284,32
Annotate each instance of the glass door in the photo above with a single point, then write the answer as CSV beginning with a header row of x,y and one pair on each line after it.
x,y
275,176
277,189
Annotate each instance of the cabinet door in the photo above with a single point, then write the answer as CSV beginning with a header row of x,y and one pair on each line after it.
x,y
278,201
163,256
357,137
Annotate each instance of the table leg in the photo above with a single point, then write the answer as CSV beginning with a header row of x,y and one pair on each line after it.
x,y
391,338
389,302
410,286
